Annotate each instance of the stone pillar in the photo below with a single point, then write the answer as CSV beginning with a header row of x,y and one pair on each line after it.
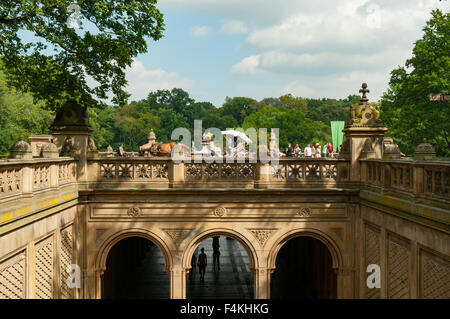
x,y
71,132
364,134
176,173
262,175
262,283
177,283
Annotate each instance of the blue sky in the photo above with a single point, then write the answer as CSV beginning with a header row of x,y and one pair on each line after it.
x,y
254,48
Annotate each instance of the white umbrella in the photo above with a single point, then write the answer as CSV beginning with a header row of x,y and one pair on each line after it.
x,y
238,134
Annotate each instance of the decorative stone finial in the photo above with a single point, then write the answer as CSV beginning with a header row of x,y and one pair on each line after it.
x,y
390,150
364,90
424,151
151,137
50,150
21,150
364,114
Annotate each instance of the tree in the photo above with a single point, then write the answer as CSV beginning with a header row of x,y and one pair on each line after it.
x,y
19,116
56,63
289,101
238,107
406,109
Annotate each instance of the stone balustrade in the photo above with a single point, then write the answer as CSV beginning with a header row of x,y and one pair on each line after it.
x,y
29,186
421,179
163,172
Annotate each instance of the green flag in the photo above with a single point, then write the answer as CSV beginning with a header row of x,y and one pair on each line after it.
x,y
337,134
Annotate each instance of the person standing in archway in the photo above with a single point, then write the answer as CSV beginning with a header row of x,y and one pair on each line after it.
x,y
193,264
216,252
202,262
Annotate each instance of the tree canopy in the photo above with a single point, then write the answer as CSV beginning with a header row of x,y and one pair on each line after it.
x,y
406,108
54,61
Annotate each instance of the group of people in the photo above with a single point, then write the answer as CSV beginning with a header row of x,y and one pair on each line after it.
x,y
309,151
202,260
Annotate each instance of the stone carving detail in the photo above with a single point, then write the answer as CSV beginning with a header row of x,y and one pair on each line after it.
x,y
107,171
161,171
424,151
435,277
21,150
71,114
41,176
134,211
125,170
304,212
372,256
177,235
228,171
193,171
312,171
211,171
279,172
390,150
245,171
398,270
364,114
91,145
10,181
295,171
329,171
66,258
12,277
64,173
220,211
44,269
262,235
68,148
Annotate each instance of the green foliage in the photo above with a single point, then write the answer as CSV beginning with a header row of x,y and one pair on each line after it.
x,y
406,109
19,116
54,65
295,127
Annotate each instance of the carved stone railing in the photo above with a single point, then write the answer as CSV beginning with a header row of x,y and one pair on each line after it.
x,y
29,186
419,179
163,172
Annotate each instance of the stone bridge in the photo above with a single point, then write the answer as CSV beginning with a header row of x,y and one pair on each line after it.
x,y
369,206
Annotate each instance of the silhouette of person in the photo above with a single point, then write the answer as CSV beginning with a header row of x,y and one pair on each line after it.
x,y
193,264
202,262
216,252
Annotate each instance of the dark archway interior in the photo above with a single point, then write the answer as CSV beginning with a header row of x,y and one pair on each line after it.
x,y
304,271
234,279
135,268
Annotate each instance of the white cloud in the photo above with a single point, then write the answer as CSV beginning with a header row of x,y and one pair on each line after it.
x,y
233,26
249,65
200,31
142,80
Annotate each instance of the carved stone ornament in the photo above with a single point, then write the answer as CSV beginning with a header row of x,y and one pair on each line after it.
x,y
21,149
177,235
424,151
390,150
304,212
220,211
364,114
68,148
91,145
262,235
134,211
50,150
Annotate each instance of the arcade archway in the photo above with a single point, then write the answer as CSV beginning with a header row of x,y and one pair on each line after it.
x,y
135,268
304,269
234,279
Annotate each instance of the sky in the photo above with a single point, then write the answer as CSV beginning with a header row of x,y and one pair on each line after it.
x,y
261,48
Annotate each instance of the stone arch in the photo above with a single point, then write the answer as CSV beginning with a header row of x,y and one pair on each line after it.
x,y
244,241
132,232
331,245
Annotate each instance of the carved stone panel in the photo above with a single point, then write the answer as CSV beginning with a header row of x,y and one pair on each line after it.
x,y
262,234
